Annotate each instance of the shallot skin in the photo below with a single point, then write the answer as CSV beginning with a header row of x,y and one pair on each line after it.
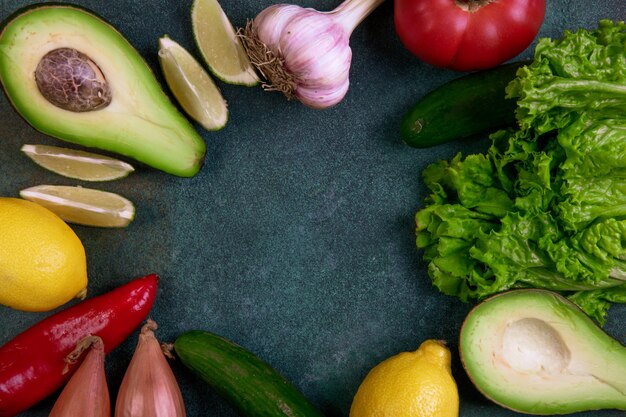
x,y
149,387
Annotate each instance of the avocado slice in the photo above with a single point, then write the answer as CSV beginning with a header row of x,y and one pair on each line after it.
x,y
109,100
533,351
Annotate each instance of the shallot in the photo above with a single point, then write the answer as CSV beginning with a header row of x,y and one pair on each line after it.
x,y
86,394
149,387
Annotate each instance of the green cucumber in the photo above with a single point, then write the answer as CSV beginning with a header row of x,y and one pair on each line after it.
x,y
463,107
248,383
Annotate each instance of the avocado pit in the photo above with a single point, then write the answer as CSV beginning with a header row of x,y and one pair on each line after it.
x,y
72,81
531,345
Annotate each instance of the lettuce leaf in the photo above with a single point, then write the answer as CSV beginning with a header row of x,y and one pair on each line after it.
x,y
583,72
545,206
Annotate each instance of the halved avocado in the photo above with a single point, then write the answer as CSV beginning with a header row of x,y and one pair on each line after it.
x,y
109,99
533,351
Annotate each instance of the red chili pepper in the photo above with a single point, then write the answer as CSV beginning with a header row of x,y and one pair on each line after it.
x,y
31,365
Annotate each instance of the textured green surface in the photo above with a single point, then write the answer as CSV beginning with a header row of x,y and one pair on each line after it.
x,y
296,240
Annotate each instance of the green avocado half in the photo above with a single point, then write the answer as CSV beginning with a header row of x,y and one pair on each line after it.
x,y
73,76
535,352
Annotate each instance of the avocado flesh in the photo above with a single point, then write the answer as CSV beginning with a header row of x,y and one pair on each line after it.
x,y
140,121
535,352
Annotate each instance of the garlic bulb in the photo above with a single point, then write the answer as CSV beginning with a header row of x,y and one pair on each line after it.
x,y
149,387
305,53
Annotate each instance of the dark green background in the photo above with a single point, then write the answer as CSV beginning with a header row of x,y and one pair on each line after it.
x,y
296,240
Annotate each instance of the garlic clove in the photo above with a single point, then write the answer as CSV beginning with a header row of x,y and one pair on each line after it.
x,y
318,98
278,15
86,394
149,387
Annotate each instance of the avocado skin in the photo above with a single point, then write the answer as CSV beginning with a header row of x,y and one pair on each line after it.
x,y
179,150
595,358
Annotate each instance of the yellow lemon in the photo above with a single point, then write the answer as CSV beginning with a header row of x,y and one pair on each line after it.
x,y
410,384
42,261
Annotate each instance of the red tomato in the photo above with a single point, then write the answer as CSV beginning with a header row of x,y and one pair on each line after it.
x,y
467,35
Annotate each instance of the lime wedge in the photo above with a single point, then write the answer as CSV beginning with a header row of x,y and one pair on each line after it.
x,y
219,45
192,86
80,165
84,206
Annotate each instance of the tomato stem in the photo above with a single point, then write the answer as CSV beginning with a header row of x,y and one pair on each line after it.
x,y
472,5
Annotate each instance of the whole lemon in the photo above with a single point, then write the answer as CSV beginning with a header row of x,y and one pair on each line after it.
x,y
410,384
42,261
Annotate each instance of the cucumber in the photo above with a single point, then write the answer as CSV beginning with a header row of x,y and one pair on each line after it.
x,y
248,383
463,107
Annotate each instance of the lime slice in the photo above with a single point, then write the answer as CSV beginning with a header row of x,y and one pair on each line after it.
x,y
72,163
84,206
193,88
219,45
